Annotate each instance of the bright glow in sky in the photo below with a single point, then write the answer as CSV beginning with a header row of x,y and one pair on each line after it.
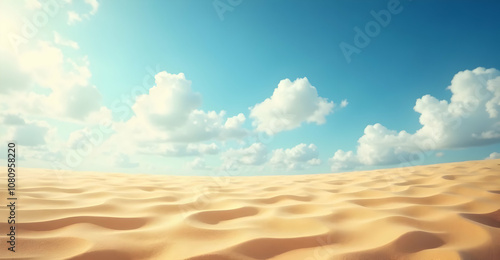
x,y
248,87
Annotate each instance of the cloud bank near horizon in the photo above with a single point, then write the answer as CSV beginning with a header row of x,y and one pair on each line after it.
x,y
50,104
469,119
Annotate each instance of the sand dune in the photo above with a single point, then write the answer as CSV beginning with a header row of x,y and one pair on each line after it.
x,y
447,211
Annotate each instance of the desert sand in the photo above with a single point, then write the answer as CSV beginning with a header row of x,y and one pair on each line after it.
x,y
446,211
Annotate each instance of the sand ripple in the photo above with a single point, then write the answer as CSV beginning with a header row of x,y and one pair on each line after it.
x,y
448,211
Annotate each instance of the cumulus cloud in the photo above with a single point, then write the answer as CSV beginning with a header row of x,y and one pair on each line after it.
x,y
198,164
84,137
123,161
12,119
103,117
492,105
493,156
381,146
233,127
291,104
378,146
64,89
344,103
45,153
40,81
255,154
343,161
168,104
179,149
78,102
167,121
295,158
169,113
50,68
32,133
12,77
469,119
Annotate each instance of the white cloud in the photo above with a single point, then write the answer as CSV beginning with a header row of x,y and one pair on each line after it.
x,y
167,122
169,103
86,136
79,102
39,81
493,156
51,69
68,94
73,17
12,77
77,137
123,161
381,146
255,154
58,39
343,161
169,113
295,158
12,119
291,104
314,162
179,149
469,119
48,66
103,116
235,121
31,133
205,148
94,4
493,104
200,126
233,128
378,146
344,103
198,164
45,153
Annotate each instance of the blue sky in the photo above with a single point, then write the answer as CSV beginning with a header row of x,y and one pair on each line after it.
x,y
106,54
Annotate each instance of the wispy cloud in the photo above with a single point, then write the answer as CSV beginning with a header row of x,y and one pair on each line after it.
x,y
58,39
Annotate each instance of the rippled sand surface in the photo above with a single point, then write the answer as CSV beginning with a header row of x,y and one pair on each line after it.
x,y
446,211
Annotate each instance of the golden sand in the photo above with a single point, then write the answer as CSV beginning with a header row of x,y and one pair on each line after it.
x,y
446,211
